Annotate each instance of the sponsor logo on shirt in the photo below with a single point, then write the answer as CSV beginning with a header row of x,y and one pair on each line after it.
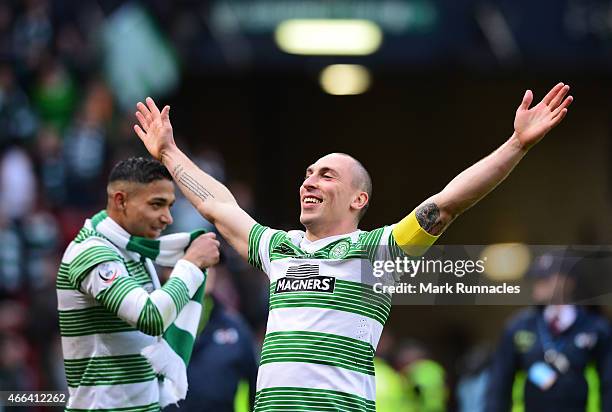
x,y
109,271
305,278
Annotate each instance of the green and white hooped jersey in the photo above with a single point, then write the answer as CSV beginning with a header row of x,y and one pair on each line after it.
x,y
325,319
108,312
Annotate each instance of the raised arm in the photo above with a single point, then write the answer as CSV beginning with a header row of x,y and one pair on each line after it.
x,y
211,198
530,126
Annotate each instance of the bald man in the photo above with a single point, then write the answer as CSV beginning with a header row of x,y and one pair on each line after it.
x,y
325,319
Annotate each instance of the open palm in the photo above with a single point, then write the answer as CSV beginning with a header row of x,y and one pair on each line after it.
x,y
531,125
155,129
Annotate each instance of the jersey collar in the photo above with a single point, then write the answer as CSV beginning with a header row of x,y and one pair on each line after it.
x,y
310,246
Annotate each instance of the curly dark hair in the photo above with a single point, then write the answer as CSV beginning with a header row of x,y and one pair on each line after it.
x,y
139,170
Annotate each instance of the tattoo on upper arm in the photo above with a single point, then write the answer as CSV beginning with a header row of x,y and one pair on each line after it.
x,y
428,217
184,178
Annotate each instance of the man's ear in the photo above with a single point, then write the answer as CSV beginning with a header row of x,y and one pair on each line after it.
x,y
119,200
360,201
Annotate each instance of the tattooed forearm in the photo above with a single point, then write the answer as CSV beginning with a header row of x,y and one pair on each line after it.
x,y
184,178
428,217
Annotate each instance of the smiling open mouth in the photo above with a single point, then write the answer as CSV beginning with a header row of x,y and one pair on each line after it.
x,y
312,200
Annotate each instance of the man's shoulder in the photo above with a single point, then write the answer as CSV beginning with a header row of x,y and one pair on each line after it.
x,y
378,236
375,231
88,239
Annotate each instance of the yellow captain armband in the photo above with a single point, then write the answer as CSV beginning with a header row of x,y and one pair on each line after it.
x,y
411,237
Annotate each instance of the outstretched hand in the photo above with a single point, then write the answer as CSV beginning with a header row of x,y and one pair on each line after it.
x,y
156,131
531,125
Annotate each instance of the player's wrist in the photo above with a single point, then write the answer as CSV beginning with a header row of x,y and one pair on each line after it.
x,y
516,143
167,153
189,273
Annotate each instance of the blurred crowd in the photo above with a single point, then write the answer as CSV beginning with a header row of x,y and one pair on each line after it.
x,y
61,131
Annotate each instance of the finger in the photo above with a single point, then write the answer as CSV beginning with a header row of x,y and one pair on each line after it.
x,y
165,114
558,119
527,99
552,93
143,122
211,235
559,97
144,110
140,132
563,105
152,106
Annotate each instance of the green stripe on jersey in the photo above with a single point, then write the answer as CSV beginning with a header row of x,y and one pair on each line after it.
x,y
150,320
306,399
108,370
90,321
114,295
178,291
153,407
320,348
254,238
138,271
347,297
63,280
80,266
371,242
86,233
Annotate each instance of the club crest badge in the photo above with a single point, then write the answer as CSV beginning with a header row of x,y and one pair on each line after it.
x,y
340,250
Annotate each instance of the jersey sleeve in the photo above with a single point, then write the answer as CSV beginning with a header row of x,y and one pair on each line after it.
x,y
262,240
107,279
410,237
406,239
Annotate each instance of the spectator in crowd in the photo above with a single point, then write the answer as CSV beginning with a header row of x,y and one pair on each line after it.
x,y
425,378
473,380
553,344
391,385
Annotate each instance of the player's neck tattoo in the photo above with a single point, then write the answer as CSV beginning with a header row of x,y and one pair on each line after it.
x,y
182,177
428,217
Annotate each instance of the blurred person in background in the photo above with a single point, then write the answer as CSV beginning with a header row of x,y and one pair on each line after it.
x,y
333,197
546,354
16,371
113,313
18,122
391,386
425,378
223,369
473,370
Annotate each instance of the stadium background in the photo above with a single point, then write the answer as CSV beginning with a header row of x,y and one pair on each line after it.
x,y
444,90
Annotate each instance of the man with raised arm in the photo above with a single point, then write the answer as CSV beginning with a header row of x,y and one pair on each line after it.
x,y
325,320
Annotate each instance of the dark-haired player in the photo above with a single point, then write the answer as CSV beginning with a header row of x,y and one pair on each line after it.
x,y
108,308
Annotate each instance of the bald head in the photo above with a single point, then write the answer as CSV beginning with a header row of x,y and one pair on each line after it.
x,y
360,177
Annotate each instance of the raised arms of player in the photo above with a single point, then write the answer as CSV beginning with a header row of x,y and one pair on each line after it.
x,y
212,199
530,126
